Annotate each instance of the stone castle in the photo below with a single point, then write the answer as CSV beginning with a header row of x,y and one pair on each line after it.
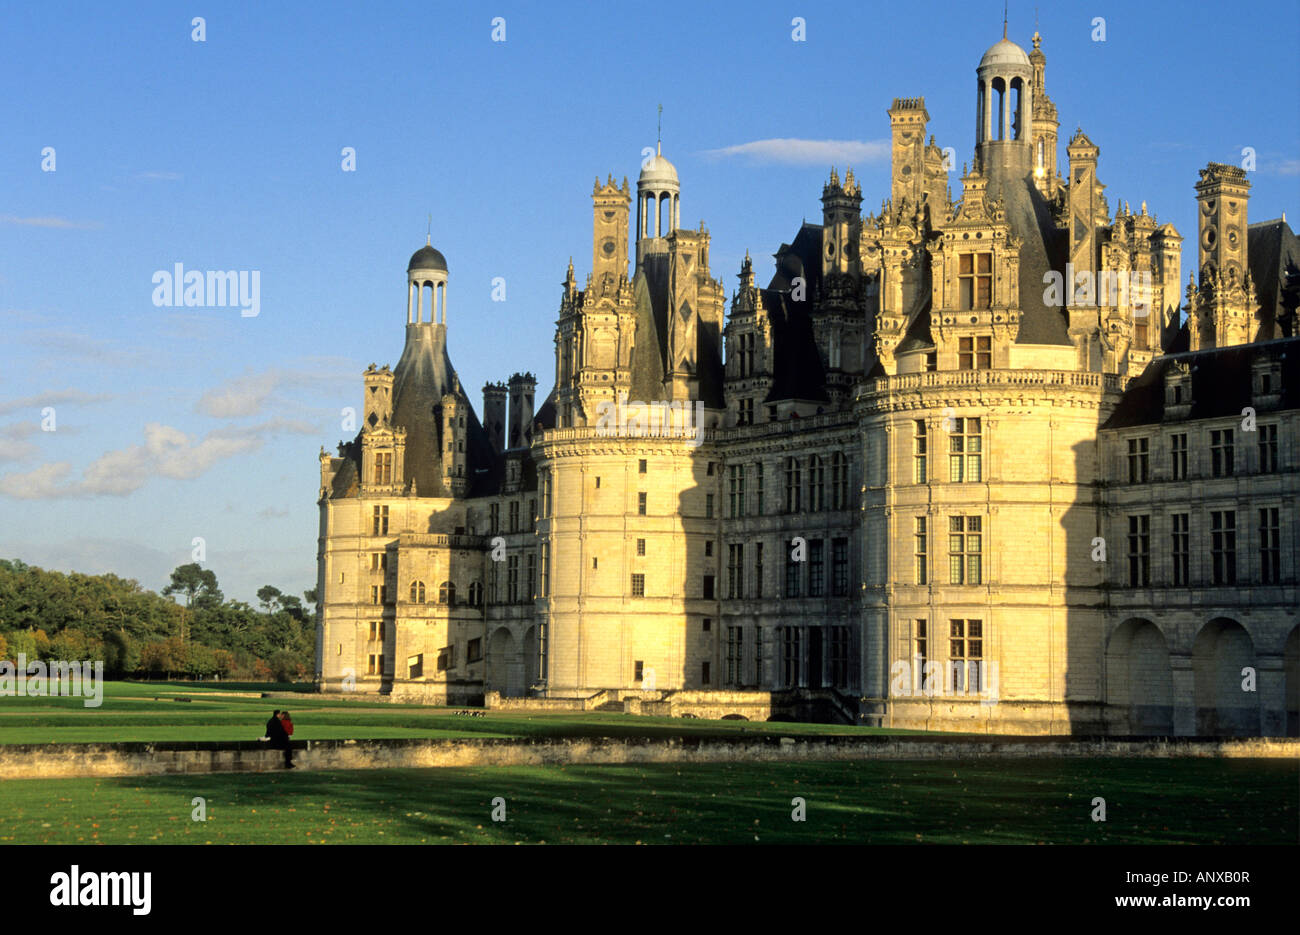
x,y
959,465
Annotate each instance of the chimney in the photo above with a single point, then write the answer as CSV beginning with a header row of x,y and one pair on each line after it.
x,y
522,387
494,414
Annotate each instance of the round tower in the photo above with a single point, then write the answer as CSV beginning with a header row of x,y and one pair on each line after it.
x,y
427,270
658,204
1004,108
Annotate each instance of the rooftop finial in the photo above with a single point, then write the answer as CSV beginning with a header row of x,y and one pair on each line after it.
x,y
428,234
1004,19
659,143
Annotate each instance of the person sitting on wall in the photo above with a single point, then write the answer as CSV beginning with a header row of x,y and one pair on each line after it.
x,y
287,723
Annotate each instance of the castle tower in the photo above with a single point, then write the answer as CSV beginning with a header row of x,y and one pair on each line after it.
x,y
426,271
1004,109
383,446
453,442
522,388
494,414
841,224
658,205
609,209
1222,310
907,120
1045,126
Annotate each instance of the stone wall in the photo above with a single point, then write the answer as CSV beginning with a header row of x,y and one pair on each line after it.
x,y
58,761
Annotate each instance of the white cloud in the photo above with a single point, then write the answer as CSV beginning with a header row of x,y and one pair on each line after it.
x,y
1289,167
52,222
241,396
796,152
67,397
166,452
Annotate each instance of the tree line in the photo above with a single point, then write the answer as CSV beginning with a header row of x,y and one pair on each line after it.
x,y
189,630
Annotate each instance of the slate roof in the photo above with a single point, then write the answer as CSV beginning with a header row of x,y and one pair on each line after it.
x,y
797,365
1271,248
1221,383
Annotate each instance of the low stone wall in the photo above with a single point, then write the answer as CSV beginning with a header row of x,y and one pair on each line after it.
x,y
52,761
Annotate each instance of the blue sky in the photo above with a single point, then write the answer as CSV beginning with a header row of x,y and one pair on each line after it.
x,y
175,423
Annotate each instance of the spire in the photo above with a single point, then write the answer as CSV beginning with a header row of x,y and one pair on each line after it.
x,y
659,142
428,234
1004,19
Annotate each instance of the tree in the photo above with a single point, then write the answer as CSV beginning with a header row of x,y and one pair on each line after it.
x,y
199,585
271,597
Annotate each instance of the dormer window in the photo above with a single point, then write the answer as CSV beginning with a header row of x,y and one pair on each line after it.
x,y
1178,390
1266,383
975,280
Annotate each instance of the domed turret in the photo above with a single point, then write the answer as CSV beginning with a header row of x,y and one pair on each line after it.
x,y
427,270
1004,108
658,203
1004,52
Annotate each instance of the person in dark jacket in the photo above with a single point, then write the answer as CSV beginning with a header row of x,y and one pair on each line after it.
x,y
287,723
279,739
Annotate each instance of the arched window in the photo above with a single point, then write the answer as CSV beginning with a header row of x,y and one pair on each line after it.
x,y
476,594
417,592
446,593
792,485
816,483
839,481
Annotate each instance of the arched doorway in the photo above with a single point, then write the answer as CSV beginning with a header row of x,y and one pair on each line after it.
x,y
531,657
1222,649
502,663
1139,683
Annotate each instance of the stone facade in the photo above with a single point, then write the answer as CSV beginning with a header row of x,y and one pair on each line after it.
x,y
908,495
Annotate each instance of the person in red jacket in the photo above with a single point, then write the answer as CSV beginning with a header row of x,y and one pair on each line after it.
x,y
287,723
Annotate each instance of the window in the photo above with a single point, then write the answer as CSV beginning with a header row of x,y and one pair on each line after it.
x,y
735,654
708,506
530,576
546,493
816,484
839,481
640,503
919,441
384,467
758,569
735,490
494,583
446,658
921,551
816,568
840,567
1267,448
758,488
920,653
1139,551
545,589
708,587
745,412
375,594
474,650
416,665
532,515
974,353
1223,546
379,526
1181,548
792,485
708,548
789,656
965,543
709,468
704,673
638,587
375,665
638,671
735,571
640,547
512,579
975,280
758,655
494,519
641,466
839,657
791,572
597,483
966,653
476,594
446,593
376,630
964,451
514,515
378,561
1221,453
708,624
1138,462
1178,456
1270,550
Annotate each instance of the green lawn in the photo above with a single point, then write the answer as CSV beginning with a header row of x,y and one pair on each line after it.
x,y
148,712
880,802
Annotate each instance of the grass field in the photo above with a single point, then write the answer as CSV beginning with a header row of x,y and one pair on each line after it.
x,y
135,711
878,802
